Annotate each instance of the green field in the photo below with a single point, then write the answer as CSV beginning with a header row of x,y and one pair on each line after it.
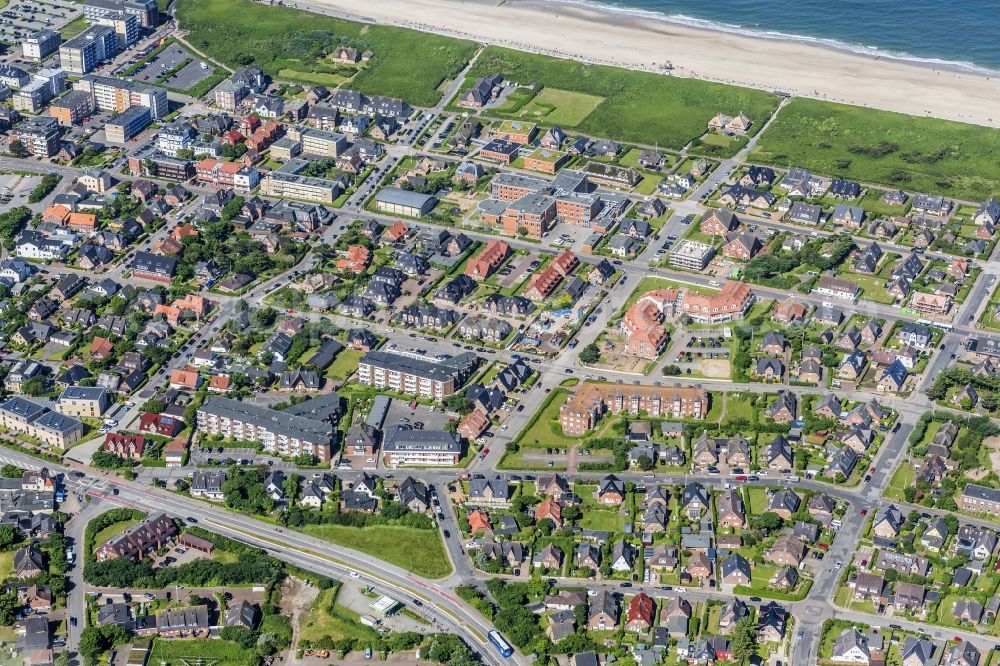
x,y
6,565
901,480
176,652
74,27
325,619
424,554
345,364
545,431
892,149
560,107
638,106
322,78
407,64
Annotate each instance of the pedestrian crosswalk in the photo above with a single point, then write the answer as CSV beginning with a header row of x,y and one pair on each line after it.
x,y
8,460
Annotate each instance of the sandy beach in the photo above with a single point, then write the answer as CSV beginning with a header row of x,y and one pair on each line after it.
x,y
622,40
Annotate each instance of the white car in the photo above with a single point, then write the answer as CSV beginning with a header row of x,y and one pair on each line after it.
x,y
355,574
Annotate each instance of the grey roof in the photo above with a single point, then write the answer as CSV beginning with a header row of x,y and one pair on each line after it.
x,y
279,422
402,197
400,439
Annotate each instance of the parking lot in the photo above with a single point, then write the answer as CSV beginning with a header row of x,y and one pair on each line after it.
x,y
21,18
705,353
169,58
212,455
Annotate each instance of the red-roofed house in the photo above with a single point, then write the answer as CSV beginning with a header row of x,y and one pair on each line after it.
x,y
490,259
124,445
640,613
357,260
101,348
184,379
160,424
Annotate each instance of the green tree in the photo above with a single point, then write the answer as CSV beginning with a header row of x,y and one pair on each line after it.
x,y
16,148
10,536
34,386
744,643
11,471
9,607
590,354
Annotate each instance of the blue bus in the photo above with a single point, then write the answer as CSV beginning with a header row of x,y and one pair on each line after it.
x,y
502,646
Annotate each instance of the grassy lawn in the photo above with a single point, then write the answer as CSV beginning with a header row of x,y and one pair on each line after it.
x,y
224,556
182,652
326,619
112,530
892,149
872,285
738,408
901,480
345,364
638,106
598,519
545,431
322,78
74,27
758,499
276,38
6,565
424,553
560,107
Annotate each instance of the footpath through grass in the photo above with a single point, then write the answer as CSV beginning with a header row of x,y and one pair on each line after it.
x,y
406,64
891,149
419,551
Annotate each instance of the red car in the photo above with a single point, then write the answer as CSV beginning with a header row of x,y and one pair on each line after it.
x,y
864,512
871,470
741,477
958,639
486,452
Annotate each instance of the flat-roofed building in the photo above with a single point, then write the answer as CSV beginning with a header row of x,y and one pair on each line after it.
x,y
692,255
125,25
41,44
39,136
72,108
117,95
318,142
126,125
147,11
294,186
513,186
151,162
530,216
91,47
44,85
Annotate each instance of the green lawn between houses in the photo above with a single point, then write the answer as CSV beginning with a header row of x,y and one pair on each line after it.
x,y
175,652
638,106
424,553
891,149
238,32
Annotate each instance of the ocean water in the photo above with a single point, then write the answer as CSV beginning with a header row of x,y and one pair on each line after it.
x,y
962,34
